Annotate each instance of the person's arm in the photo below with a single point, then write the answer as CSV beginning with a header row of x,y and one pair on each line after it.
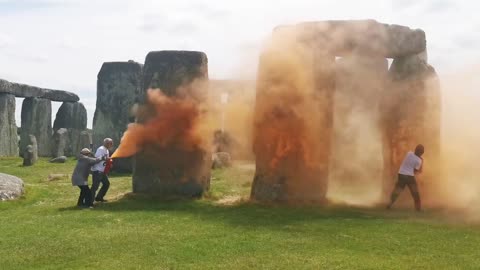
x,y
419,167
91,160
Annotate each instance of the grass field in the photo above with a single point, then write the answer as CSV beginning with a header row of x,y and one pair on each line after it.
x,y
44,230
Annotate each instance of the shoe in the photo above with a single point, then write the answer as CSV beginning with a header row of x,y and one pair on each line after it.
x,y
101,200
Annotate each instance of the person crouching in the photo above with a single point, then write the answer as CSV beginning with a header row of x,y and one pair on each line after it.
x,y
80,176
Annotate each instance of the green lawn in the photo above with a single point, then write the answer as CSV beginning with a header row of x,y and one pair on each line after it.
x,y
44,230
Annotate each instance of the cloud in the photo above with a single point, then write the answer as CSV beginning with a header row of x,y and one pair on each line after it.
x,y
152,21
184,28
5,41
16,6
423,7
440,6
37,58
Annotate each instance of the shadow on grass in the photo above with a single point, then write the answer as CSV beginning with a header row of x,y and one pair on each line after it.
x,y
243,214
72,208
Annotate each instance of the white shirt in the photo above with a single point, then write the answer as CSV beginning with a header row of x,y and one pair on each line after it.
x,y
101,152
411,163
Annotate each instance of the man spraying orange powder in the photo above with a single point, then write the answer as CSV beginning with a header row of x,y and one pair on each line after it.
x,y
411,165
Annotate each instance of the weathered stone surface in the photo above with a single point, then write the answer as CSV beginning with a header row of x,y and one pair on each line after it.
x,y
221,160
60,143
356,159
411,110
72,120
222,142
60,159
85,141
168,170
37,120
71,115
168,70
11,187
367,37
8,128
58,176
27,91
30,153
293,123
28,156
122,165
78,139
69,142
118,86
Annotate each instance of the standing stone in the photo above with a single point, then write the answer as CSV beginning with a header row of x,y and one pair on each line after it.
x,y
60,142
168,170
8,128
30,154
77,141
85,141
37,120
293,121
118,86
71,115
357,163
221,160
28,159
411,111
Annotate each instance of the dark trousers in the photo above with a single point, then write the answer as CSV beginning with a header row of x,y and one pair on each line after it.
x,y
411,183
85,198
97,178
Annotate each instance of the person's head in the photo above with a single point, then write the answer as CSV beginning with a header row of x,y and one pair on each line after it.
x,y
419,150
85,152
108,143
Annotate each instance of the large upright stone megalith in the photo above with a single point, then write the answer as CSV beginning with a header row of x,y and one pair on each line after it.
x,y
8,128
30,155
36,119
118,86
70,120
293,121
60,143
169,170
71,115
411,110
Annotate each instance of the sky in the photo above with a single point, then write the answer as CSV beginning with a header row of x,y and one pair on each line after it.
x,y
62,44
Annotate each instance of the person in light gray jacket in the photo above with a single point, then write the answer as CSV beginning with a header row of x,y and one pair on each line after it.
x,y
80,176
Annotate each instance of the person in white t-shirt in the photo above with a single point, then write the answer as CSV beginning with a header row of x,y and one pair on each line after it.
x,y
98,171
411,165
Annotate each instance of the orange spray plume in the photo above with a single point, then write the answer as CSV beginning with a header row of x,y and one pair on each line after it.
x,y
174,122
